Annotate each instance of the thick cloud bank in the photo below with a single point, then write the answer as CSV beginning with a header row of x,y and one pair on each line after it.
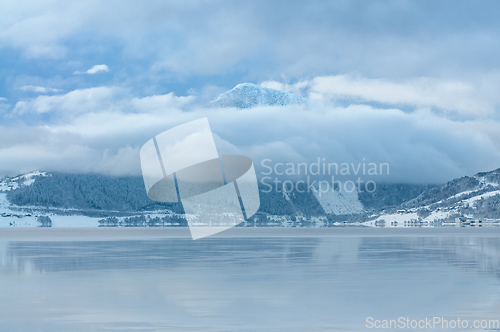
x,y
102,130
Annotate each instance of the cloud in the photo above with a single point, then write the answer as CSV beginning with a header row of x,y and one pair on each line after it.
x,y
421,92
94,70
471,98
99,100
73,158
160,103
91,130
428,72
76,101
420,146
302,39
102,129
39,89
3,99
297,88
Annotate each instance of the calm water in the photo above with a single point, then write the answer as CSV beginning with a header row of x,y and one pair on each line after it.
x,y
311,283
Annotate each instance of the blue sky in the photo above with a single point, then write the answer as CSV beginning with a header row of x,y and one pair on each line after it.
x,y
412,83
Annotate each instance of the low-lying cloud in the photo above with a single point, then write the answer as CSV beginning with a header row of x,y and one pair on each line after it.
x,y
102,130
467,98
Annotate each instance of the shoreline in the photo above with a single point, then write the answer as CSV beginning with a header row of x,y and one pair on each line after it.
x,y
158,233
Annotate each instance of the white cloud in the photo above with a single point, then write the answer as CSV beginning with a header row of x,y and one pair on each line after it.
x,y
39,89
94,70
305,40
77,101
105,99
95,130
102,129
297,88
471,98
77,158
419,146
421,92
37,29
160,103
97,68
3,99
395,48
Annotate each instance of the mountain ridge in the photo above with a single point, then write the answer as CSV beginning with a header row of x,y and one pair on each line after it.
x,y
44,193
107,196
248,95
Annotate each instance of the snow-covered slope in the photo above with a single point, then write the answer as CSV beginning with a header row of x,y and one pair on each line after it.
x,y
246,95
7,184
25,197
336,202
458,190
103,195
9,215
467,197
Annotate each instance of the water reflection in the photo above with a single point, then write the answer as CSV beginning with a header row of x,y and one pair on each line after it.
x,y
245,284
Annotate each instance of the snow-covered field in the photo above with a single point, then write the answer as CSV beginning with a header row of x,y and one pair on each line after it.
x,y
74,221
393,220
436,215
11,218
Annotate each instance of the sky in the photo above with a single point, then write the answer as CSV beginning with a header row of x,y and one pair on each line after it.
x,y
83,85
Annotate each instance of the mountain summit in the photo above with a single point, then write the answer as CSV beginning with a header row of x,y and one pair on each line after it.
x,y
247,95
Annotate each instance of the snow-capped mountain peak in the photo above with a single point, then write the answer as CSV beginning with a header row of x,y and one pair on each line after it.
x,y
247,95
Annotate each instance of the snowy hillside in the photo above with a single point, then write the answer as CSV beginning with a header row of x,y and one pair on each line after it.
x,y
458,190
123,201
7,184
467,197
246,95
9,214
336,202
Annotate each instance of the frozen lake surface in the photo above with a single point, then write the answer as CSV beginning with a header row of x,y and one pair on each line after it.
x,y
244,279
